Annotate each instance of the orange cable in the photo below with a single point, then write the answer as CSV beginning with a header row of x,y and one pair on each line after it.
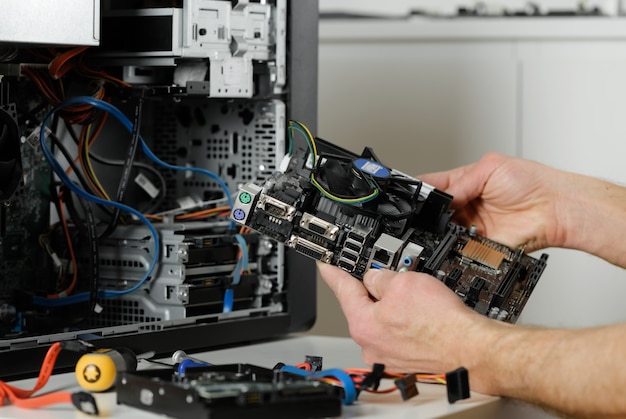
x,y
62,63
204,213
41,401
304,366
72,284
8,391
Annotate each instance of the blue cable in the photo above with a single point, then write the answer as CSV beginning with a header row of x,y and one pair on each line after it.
x,y
58,170
107,107
229,294
349,389
190,363
212,175
296,371
242,264
229,297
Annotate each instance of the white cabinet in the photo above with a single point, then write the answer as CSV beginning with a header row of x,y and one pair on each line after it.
x,y
572,117
434,94
573,106
415,102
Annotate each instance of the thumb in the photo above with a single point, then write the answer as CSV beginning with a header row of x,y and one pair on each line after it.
x,y
377,280
350,292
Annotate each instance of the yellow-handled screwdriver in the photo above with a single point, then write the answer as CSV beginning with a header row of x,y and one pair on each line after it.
x,y
97,371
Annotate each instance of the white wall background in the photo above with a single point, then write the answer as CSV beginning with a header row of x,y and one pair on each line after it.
x,y
451,7
434,94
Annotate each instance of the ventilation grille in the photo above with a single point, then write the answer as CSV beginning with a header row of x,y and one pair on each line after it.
x,y
239,141
119,312
123,263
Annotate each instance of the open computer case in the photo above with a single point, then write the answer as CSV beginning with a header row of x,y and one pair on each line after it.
x,y
165,104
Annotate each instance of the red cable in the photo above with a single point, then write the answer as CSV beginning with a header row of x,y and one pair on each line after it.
x,y
304,366
14,393
41,401
63,63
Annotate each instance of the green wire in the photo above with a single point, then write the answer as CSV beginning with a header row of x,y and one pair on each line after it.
x,y
351,201
310,142
304,131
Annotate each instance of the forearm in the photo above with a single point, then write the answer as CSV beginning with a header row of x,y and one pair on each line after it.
x,y
591,216
578,372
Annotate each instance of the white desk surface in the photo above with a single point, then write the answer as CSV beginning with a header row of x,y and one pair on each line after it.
x,y
336,352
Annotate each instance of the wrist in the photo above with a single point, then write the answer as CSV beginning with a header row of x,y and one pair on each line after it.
x,y
507,359
591,216
482,341
473,346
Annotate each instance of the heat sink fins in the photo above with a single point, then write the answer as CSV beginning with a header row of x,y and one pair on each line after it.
x,y
483,253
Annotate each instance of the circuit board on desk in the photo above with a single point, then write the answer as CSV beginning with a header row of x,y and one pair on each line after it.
x,y
353,212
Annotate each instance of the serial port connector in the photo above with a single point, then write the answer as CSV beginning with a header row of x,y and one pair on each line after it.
x,y
276,208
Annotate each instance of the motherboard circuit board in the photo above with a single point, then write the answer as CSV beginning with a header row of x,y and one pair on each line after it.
x,y
353,212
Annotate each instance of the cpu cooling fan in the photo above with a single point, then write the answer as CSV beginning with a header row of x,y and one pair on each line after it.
x,y
340,178
368,183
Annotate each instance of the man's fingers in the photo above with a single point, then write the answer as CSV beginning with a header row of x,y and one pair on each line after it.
x,y
464,183
440,180
350,292
377,280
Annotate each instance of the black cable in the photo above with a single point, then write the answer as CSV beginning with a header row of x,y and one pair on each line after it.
x,y
94,259
79,175
75,216
139,165
56,141
87,231
70,130
128,165
143,166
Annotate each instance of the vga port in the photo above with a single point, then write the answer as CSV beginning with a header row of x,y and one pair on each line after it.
x,y
319,226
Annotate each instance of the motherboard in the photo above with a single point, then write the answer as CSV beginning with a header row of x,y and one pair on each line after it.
x,y
354,212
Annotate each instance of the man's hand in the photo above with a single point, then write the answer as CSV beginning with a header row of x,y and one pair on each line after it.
x,y
511,201
519,202
408,321
411,322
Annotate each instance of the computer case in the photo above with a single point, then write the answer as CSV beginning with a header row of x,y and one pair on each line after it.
x,y
211,84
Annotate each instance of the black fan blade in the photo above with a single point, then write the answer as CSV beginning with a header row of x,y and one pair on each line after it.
x,y
339,178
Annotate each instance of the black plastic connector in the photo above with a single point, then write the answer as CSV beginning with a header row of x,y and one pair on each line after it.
x,y
77,346
85,402
457,385
315,362
407,386
278,366
372,380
